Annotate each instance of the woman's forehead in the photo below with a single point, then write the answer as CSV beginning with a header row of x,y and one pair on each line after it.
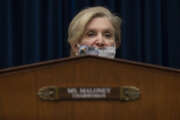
x,y
100,23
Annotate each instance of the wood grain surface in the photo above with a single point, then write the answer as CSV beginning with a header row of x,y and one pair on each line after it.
x,y
159,87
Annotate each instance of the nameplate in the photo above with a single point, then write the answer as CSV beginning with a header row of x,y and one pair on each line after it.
x,y
123,93
87,93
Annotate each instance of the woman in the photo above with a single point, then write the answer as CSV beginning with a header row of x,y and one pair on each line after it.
x,y
96,28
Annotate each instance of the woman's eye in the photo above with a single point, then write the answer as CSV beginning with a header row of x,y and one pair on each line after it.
x,y
91,34
108,35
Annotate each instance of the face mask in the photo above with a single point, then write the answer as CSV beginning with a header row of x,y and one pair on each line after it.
x,y
108,52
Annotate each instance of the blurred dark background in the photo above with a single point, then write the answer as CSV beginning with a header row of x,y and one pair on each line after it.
x,y
36,30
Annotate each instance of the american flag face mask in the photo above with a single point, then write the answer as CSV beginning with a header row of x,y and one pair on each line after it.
x,y
108,52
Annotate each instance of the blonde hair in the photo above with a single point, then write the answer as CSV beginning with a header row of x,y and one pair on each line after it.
x,y
80,21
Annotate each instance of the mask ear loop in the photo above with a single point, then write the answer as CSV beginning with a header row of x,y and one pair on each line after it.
x,y
114,46
77,52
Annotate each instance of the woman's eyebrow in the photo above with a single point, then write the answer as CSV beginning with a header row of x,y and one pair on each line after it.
x,y
93,29
109,30
90,29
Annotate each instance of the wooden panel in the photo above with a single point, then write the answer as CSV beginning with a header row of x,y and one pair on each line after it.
x,y
159,88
